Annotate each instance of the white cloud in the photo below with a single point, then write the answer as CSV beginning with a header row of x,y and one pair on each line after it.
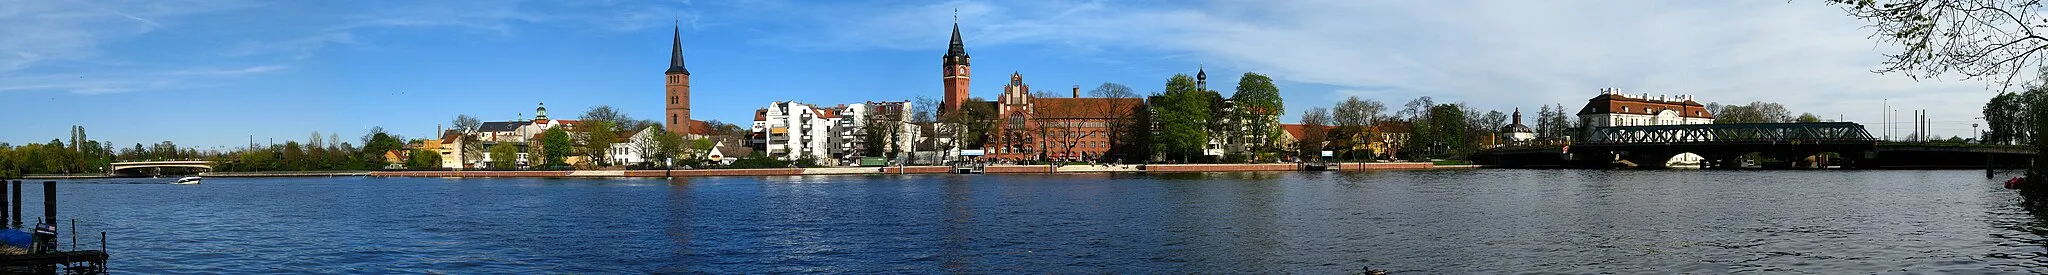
x,y
1492,54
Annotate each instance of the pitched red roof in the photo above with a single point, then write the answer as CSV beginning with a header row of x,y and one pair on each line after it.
x,y
1100,108
1295,130
1618,103
699,127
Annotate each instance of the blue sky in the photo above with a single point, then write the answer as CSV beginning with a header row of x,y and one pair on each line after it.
x,y
218,73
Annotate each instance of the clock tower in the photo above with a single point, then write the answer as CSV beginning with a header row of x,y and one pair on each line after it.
x,y
955,70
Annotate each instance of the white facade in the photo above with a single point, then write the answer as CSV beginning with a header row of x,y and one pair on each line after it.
x,y
1654,117
633,150
1223,144
789,130
1644,110
855,118
1613,108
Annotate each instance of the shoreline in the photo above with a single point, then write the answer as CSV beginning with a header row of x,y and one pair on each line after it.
x,y
992,169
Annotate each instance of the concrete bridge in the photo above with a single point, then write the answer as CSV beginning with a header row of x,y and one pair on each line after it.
x,y
136,167
1821,144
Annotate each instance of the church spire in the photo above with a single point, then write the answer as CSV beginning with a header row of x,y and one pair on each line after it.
x,y
957,50
675,61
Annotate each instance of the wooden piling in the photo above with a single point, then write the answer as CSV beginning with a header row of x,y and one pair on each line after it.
x,y
3,204
50,202
16,205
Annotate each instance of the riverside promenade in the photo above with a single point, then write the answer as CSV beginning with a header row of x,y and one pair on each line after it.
x,y
993,169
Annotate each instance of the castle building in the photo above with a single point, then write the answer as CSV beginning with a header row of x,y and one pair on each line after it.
x,y
1517,132
1065,129
1612,108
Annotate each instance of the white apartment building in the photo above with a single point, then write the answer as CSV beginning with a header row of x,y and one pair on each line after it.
x,y
790,130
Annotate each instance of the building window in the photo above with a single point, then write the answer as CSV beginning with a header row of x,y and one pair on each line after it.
x,y
671,119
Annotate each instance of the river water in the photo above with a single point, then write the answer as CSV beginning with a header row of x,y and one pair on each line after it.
x,y
1464,221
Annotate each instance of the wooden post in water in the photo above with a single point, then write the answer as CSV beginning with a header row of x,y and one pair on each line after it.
x,y
3,204
50,202
1988,166
16,206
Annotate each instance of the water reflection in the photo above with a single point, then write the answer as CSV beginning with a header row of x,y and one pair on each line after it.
x,y
956,233
1479,221
681,226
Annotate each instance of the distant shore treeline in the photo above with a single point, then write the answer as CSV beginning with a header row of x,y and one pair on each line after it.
x,y
79,154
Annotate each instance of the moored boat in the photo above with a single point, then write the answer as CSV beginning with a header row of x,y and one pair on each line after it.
x,y
187,180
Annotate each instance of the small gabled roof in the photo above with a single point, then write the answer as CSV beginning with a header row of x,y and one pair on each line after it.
x,y
501,126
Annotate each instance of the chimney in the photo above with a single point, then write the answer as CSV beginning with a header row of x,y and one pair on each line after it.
x,y
1077,91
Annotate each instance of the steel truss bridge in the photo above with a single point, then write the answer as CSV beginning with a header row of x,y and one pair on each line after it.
x,y
1839,133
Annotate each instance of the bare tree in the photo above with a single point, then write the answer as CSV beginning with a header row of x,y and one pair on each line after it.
x,y
1120,118
605,113
1979,39
1314,131
465,123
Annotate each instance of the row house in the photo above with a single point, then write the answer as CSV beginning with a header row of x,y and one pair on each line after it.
x,y
791,130
520,133
1383,138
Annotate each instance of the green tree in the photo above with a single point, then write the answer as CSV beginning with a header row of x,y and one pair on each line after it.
x,y
669,146
504,155
555,145
1755,112
2001,119
1807,117
1258,109
967,128
423,159
596,140
1449,128
57,157
10,163
294,157
1183,119
375,144
1351,117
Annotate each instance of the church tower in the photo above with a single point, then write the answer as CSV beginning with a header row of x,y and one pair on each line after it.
x,y
678,88
955,72
1201,78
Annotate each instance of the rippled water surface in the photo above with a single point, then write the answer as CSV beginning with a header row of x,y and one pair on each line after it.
x,y
1473,221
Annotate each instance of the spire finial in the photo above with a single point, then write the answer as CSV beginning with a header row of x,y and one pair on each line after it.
x,y
956,15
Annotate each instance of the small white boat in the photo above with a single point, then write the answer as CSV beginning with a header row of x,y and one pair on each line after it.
x,y
187,180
